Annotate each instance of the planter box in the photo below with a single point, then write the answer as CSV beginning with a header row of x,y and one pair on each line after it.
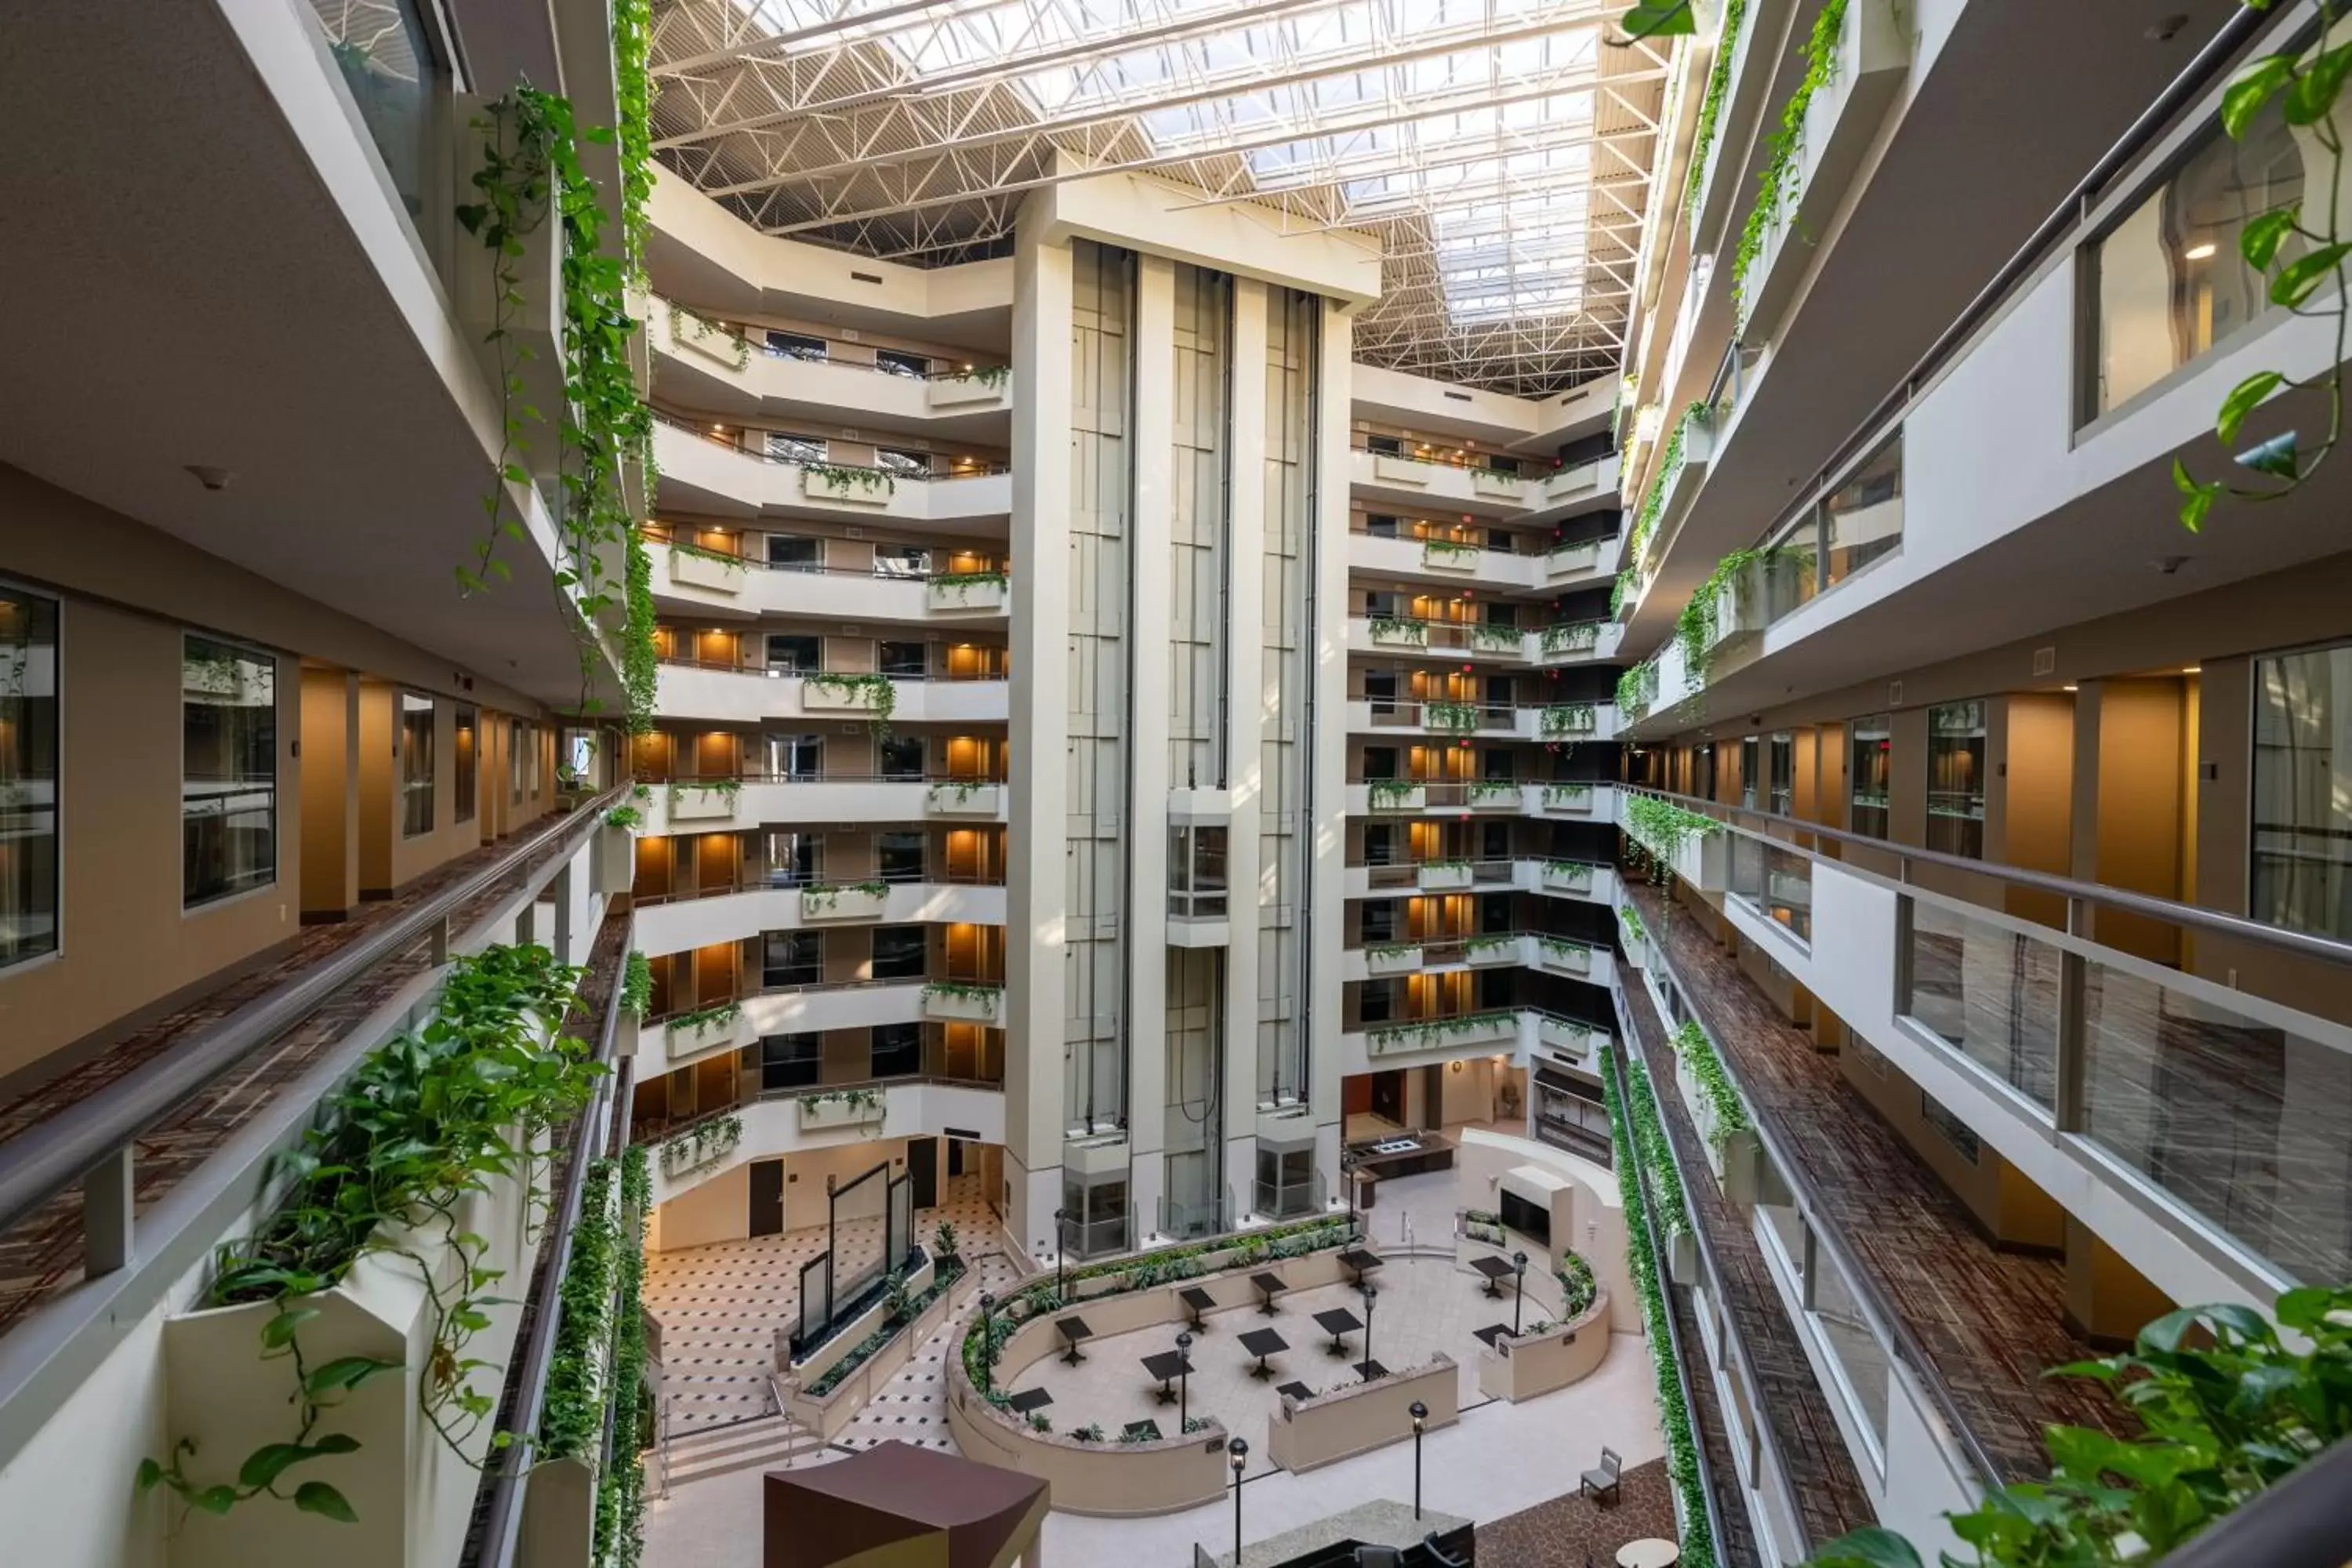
x,y
1434,878
818,485
970,392
829,1111
1736,1164
1399,470
1572,1038
1572,558
1411,633
1402,962
1489,957
1414,799
1577,799
1461,558
842,904
1564,960
1740,607
1503,486
979,1008
821,696
1394,1039
1496,800
950,598
1582,479
614,870
694,803
690,569
1568,879
964,800
681,1043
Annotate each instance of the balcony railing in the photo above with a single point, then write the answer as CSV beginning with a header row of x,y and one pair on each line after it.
x,y
957,468
736,667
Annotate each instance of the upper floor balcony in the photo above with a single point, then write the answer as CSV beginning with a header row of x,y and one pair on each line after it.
x,y
714,804
1552,721
1551,800
1531,1035
1584,881
959,591
772,1123
1462,484
1561,643
709,473
825,382
1445,563
706,916
735,694
1462,951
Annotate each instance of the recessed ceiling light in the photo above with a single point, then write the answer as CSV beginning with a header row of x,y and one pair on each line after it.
x,y
2203,252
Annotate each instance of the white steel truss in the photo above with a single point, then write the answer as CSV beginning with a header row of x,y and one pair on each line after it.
x,y
1501,154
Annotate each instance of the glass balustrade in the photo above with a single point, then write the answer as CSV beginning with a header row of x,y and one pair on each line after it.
x,y
1989,992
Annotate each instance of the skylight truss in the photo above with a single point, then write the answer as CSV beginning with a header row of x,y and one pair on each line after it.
x,y
1500,152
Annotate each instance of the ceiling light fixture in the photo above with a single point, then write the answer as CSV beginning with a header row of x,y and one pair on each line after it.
x,y
2201,252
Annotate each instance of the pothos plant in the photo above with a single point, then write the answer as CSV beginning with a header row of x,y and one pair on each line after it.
x,y
876,694
2301,253
426,1121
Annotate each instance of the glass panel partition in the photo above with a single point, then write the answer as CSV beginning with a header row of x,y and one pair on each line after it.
x,y
1987,991
387,61
416,764
28,776
1870,767
1789,891
1955,774
1862,518
2303,791
228,754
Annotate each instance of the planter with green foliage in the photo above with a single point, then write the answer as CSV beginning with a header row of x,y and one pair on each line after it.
x,y
1561,953
1442,1034
965,797
722,344
950,591
1445,555
1392,958
852,691
1495,795
1565,560
1397,795
1716,1112
1568,876
693,565
1438,876
844,901
1451,718
829,1109
1487,638
1569,798
1566,638
839,482
704,1143
960,1000
704,800
1484,950
703,1027
1399,631
1669,839
1562,719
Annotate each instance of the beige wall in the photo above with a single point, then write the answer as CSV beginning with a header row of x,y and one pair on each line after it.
x,y
2005,1206
2128,741
331,792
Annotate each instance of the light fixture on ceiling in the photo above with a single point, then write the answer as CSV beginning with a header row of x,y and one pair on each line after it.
x,y
2203,251
211,478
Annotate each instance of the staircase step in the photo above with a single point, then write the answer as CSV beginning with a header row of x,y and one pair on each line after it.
x,y
769,1440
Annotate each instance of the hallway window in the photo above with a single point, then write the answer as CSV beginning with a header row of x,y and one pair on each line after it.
x,y
897,1050
415,765
791,1061
1196,873
909,660
1862,519
793,552
229,750
466,763
791,958
2168,282
2303,791
28,776
899,953
1869,768
387,61
791,654
1783,764
794,757
795,860
1751,765
1956,773
902,757
783,447
900,853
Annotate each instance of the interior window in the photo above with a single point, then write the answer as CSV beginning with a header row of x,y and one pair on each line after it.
x,y
899,953
793,552
2303,791
28,776
794,345
228,751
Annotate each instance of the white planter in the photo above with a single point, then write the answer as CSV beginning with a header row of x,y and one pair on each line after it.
x,y
1572,1038
1573,799
950,595
1564,959
841,903
819,695
1494,800
1489,957
1397,470
1569,559
700,803
1416,798
1735,1164
1458,558
614,868
861,489
1435,878
1502,487
970,392
965,799
1403,960
977,1007
822,1112
1568,879
683,1042
690,569
1389,1039
1399,634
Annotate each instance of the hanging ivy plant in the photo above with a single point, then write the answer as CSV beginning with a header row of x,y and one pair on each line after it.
x,y
686,327
1401,628
1658,829
1779,184
875,695
637,985
1567,719
1391,794
1488,636
1710,107
1457,717
841,478
1723,1101
1571,637
1697,630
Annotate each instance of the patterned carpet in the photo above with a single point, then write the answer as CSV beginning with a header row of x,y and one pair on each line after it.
x,y
1573,1531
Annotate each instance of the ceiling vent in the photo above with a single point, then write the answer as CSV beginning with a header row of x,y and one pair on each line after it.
x,y
865,278
1459,396
2045,661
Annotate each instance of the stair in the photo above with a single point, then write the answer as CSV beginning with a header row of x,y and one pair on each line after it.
x,y
764,1440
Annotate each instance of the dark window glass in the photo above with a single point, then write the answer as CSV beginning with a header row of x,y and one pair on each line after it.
x,y
902,757
416,718
28,776
791,1061
468,761
791,958
899,953
901,855
793,553
795,654
910,659
228,751
897,1050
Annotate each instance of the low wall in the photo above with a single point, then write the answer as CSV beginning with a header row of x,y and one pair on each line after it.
x,y
1521,1368
918,1279
1311,1432
829,1413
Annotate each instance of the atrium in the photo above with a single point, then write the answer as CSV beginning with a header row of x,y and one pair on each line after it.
x,y
1272,784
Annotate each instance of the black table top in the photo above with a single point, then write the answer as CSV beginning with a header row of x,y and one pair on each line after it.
x,y
1369,1370
1357,1259
1264,1342
1074,1328
1029,1399
1166,1364
1490,1334
1298,1391
1269,1280
1339,1320
1491,1267
1199,1300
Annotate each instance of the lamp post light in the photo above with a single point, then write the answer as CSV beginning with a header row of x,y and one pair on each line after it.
x,y
1183,1378
1420,1413
1061,1251
1239,1451
1371,1295
1519,1292
1348,1175
987,1342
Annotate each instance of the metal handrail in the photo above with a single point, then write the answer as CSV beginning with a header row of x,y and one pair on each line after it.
x,y
689,895
53,1154
2279,938
502,1524
973,470
761,776
768,672
799,569
2073,210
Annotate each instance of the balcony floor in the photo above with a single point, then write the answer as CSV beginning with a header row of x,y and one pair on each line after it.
x,y
1990,1321
43,1254
1820,1467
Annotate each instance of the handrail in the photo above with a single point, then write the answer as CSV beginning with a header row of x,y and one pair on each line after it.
x,y
769,672
799,569
2218,54
502,1524
51,1155
762,777
975,468
2302,944
689,895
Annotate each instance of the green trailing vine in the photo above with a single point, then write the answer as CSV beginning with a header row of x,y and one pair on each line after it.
x,y
2230,1410
578,1371
637,985
678,547
962,583
857,1102
1637,687
842,478
621,1489
706,1020
1401,628
1567,719
1698,628
1777,184
1391,794
1568,797
1631,919
1487,634
1386,950
426,1121
529,172
900,1309
824,898
992,376
1443,864
2308,279
875,695
1576,873
623,816
1658,829
1483,790
1723,1102
1430,1034
1710,108
1569,549
963,990
1571,637
1673,1411
961,791
1448,551
1457,717
1566,954
685,326
1472,947
1670,457
728,790
1621,589
707,1142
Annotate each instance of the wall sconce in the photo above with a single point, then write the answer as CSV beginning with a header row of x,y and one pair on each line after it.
x,y
1455,1067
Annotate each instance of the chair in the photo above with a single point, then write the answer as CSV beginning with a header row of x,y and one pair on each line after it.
x,y
1601,1485
1379,1557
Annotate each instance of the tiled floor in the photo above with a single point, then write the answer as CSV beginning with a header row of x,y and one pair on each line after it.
x,y
42,1254
721,1306
1989,1322
1820,1468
